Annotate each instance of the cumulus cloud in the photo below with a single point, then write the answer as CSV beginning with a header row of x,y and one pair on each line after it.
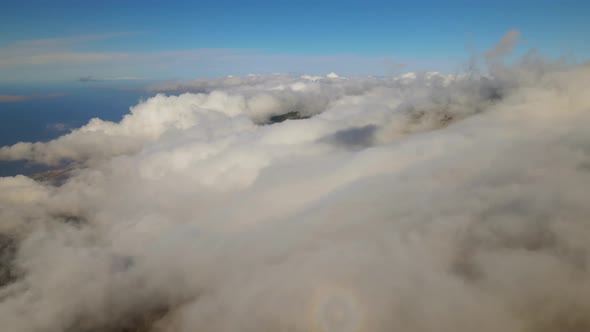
x,y
430,202
332,75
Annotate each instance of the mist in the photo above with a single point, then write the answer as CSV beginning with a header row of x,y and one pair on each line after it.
x,y
420,202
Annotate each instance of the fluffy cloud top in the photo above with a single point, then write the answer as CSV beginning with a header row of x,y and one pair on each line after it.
x,y
420,203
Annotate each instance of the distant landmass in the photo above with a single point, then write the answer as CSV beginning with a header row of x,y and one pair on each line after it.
x,y
294,115
54,176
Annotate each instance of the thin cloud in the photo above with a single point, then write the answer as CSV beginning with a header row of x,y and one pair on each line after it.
x,y
19,98
64,58
58,127
86,79
505,46
57,56
49,42
57,51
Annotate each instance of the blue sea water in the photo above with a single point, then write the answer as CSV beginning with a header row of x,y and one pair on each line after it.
x,y
43,119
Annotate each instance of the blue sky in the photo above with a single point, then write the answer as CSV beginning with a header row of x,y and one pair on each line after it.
x,y
64,40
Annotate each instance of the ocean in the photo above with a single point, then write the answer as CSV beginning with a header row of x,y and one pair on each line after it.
x,y
45,118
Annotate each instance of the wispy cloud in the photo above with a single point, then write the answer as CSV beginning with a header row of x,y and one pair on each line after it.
x,y
505,46
58,127
50,42
63,58
86,79
57,50
68,58
19,98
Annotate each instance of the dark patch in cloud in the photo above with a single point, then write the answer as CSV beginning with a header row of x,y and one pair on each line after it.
x,y
353,138
8,248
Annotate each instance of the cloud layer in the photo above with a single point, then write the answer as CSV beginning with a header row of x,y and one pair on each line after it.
x,y
417,203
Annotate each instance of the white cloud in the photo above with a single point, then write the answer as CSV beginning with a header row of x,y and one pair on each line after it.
x,y
418,205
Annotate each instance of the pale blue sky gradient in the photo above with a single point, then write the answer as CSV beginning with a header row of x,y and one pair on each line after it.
x,y
64,40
